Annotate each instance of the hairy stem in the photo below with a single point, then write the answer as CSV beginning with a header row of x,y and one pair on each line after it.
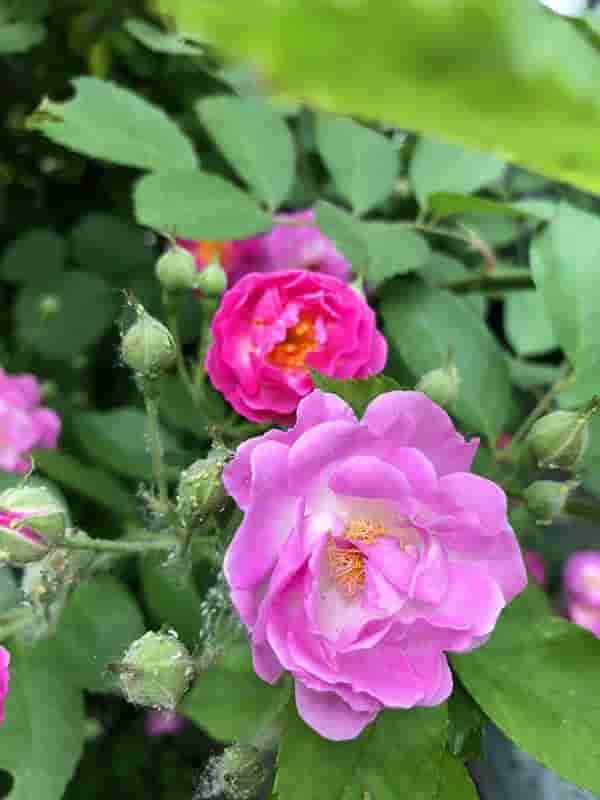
x,y
156,448
160,542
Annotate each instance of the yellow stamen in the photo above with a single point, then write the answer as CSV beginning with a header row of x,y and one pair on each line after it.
x,y
347,568
364,530
299,342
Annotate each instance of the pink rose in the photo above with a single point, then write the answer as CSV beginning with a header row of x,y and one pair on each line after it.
x,y
366,552
4,678
581,577
270,329
535,567
586,617
24,424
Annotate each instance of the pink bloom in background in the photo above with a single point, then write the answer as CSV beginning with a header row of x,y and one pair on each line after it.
x,y
535,567
366,552
294,243
581,577
161,723
24,424
4,678
585,616
270,329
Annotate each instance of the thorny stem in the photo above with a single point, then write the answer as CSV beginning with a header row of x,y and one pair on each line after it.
x,y
487,281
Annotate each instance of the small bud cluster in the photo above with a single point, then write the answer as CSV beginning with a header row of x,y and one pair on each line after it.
x,y
201,491
176,269
441,385
547,499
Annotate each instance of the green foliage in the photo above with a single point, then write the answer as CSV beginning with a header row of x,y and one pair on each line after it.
x,y
114,124
535,678
345,232
34,255
255,140
393,250
197,205
357,393
446,204
17,37
155,39
110,246
528,328
363,163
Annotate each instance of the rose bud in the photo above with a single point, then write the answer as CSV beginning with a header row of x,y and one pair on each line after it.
x,y
176,269
148,348
547,499
560,439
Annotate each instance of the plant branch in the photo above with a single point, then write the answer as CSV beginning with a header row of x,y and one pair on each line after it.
x,y
160,542
543,405
171,305
155,445
491,281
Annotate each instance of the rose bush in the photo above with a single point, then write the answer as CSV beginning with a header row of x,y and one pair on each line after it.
x,y
367,552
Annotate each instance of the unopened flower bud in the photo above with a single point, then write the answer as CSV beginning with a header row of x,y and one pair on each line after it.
x,y
240,773
156,671
201,488
547,499
441,385
19,545
50,306
39,509
148,347
212,281
560,439
176,269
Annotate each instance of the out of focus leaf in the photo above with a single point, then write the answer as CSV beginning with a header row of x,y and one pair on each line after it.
x,y
34,255
393,250
18,37
110,246
345,231
159,41
357,393
528,328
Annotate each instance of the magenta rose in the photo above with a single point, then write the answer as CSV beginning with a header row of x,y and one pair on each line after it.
x,y
367,551
4,678
536,567
24,424
581,577
270,329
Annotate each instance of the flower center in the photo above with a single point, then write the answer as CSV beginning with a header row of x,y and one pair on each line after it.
x,y
207,251
347,563
299,342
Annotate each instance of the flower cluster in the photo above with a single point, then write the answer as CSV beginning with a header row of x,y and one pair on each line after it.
x,y
581,579
24,424
4,679
367,551
270,329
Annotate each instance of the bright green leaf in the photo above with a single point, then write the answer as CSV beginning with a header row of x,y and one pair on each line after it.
x,y
197,205
422,323
455,782
108,122
107,244
18,37
34,255
364,164
536,678
255,140
159,41
397,756
100,621
41,739
357,393
437,167
393,250
345,232
84,308
480,73
528,328
446,204
564,261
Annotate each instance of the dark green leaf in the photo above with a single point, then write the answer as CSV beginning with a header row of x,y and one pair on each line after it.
x,y
178,409
357,393
393,250
446,204
255,140
455,782
527,374
536,678
528,328
108,122
442,268
18,37
345,231
364,164
466,723
109,245
197,205
33,256
159,41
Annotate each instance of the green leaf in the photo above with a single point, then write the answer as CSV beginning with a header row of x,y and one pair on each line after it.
x,y
590,464
117,440
466,724
34,255
422,323
437,167
527,374
100,621
491,83
159,41
536,678
9,591
233,705
528,328
564,261
172,598
397,756
446,204
91,482
393,250
18,37
357,393
177,408
114,124
85,308
197,205
345,231
363,164
255,140
442,268
455,782
41,740
107,244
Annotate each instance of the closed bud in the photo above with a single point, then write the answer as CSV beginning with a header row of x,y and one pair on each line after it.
x,y
547,499
240,773
19,545
39,509
148,347
212,281
176,269
560,439
201,488
156,671
441,385
50,306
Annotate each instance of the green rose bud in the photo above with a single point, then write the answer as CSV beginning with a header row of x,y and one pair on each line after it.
x,y
441,385
560,439
19,545
41,511
156,671
212,281
148,347
176,269
240,772
200,489
547,499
